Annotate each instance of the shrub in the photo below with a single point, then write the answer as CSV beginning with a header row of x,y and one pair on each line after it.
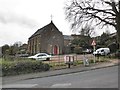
x,y
78,50
22,67
46,67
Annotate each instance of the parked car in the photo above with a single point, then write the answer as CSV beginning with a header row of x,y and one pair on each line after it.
x,y
41,56
88,51
102,51
22,55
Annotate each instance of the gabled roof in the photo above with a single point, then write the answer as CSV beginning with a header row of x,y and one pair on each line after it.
x,y
44,29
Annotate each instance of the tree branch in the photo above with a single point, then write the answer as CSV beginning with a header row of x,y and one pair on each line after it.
x,y
100,10
103,20
112,4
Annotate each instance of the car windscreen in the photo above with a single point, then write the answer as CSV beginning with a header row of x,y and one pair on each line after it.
x,y
41,55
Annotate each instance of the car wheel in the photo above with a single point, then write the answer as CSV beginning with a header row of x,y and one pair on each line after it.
x,y
32,59
47,59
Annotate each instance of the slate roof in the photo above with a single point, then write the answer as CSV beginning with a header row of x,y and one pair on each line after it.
x,y
44,29
68,37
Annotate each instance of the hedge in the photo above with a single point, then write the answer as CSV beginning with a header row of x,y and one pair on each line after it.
x,y
22,67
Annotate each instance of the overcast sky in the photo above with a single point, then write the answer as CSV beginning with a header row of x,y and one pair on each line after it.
x,y
19,19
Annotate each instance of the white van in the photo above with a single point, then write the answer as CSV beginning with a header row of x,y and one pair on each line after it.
x,y
102,51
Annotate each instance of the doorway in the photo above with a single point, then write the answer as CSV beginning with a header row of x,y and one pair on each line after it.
x,y
55,50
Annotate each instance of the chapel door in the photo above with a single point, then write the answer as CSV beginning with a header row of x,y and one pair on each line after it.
x,y
55,50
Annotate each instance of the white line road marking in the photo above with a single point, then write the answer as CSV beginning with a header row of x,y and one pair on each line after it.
x,y
61,85
19,85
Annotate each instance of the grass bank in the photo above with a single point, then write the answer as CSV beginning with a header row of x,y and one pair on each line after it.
x,y
16,67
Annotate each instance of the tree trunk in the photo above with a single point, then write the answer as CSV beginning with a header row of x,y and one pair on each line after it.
x,y
118,26
118,35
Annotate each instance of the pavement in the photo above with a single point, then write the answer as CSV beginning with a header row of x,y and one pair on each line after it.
x,y
10,79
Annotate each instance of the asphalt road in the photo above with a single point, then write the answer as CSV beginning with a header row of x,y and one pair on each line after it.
x,y
99,78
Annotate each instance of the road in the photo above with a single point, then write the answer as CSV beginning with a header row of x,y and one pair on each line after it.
x,y
99,78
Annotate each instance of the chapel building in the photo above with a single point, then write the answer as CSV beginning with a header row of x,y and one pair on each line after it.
x,y
47,39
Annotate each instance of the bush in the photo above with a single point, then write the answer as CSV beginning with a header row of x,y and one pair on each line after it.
x,y
46,67
78,50
22,67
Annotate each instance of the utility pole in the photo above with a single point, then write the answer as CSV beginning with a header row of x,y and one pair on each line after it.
x,y
94,44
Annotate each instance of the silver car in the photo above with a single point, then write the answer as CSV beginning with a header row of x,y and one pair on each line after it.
x,y
41,56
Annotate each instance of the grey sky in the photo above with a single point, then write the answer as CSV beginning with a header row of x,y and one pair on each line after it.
x,y
19,19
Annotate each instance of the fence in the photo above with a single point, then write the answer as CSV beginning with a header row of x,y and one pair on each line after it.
x,y
58,61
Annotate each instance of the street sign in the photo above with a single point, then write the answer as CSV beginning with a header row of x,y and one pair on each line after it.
x,y
93,43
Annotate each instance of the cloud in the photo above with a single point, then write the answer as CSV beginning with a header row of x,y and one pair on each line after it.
x,y
7,18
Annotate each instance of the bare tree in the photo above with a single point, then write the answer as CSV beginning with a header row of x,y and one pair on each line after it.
x,y
87,31
96,12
